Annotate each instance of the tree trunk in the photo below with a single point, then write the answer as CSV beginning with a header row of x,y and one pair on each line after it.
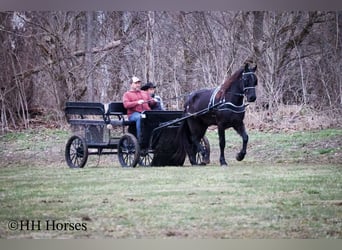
x,y
89,56
149,67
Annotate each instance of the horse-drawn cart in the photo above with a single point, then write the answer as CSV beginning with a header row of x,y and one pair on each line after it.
x,y
102,129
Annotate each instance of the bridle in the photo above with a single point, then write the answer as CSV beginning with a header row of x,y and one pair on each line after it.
x,y
244,79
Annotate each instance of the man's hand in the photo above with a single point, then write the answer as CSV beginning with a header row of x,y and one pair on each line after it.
x,y
141,101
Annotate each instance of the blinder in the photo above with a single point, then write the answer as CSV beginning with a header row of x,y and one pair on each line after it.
x,y
246,85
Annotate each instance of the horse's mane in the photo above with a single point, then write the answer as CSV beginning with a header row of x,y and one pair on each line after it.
x,y
227,83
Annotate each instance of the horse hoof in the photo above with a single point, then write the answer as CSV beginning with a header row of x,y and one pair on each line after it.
x,y
206,162
240,157
224,164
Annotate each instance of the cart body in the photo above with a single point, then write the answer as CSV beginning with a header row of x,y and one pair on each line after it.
x,y
105,127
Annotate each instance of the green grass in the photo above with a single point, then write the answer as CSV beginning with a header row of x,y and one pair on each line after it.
x,y
287,201
324,146
288,186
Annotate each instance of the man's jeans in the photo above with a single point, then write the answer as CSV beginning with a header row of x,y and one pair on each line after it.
x,y
136,116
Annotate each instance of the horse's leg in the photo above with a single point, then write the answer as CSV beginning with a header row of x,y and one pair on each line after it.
x,y
197,130
192,152
241,130
222,139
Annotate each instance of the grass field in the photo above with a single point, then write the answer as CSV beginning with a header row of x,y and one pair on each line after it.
x,y
289,186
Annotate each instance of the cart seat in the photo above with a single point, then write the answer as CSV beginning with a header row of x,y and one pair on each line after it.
x,y
84,108
118,109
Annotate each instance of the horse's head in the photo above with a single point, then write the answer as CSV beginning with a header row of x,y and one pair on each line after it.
x,y
250,81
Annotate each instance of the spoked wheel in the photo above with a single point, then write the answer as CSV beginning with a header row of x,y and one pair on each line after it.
x,y
203,157
128,151
146,158
76,152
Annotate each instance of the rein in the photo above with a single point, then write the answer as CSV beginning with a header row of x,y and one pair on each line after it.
x,y
222,104
175,97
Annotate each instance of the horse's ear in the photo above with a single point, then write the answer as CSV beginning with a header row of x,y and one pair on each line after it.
x,y
255,68
246,69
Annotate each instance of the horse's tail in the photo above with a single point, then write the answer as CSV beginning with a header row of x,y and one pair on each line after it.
x,y
169,146
183,141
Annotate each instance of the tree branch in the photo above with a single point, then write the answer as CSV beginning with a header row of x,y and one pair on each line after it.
x,y
95,50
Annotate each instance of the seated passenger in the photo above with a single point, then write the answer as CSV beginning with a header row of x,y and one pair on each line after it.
x,y
137,101
151,88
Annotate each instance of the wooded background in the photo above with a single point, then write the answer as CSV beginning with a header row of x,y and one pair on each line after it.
x,y
48,58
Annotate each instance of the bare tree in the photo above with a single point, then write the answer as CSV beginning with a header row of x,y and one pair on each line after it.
x,y
51,57
89,54
149,68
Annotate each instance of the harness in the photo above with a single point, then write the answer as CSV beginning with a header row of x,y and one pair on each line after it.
x,y
222,105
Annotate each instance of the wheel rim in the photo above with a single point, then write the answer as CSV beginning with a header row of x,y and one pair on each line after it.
x,y
128,151
76,152
146,159
200,156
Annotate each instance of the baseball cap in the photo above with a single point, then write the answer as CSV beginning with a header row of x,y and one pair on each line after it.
x,y
148,85
135,79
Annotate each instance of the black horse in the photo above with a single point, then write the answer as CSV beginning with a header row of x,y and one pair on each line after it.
x,y
222,106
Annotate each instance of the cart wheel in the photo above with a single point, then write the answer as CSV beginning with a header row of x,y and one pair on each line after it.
x,y
76,152
203,158
146,158
128,150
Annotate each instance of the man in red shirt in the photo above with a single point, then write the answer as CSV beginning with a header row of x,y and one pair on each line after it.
x,y
137,101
